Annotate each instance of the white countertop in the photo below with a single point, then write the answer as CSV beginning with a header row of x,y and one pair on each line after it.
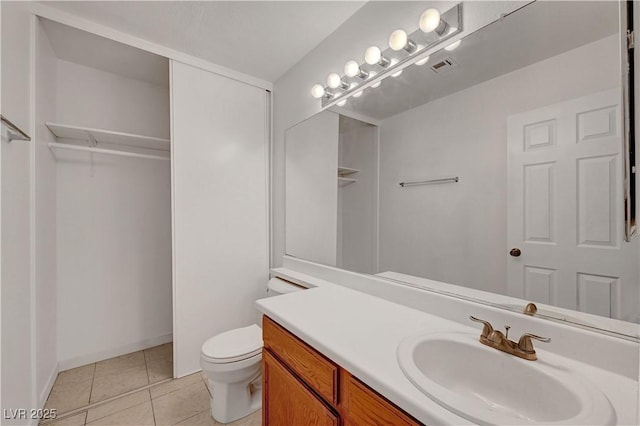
x,y
361,332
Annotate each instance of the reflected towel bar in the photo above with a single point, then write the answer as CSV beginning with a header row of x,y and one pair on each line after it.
x,y
430,182
14,131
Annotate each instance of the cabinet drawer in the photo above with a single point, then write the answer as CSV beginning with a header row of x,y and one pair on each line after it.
x,y
359,405
313,368
286,401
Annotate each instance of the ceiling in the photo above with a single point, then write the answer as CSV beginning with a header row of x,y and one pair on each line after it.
x,y
260,38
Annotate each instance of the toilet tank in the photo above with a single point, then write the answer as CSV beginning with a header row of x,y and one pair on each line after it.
x,y
277,286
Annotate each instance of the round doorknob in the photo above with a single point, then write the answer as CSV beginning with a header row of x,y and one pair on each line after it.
x,y
515,252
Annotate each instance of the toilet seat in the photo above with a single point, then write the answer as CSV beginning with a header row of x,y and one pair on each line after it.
x,y
234,345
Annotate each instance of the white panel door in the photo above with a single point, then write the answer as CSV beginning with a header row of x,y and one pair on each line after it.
x,y
565,209
219,170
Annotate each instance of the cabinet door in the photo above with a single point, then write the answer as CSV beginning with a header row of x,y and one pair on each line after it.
x,y
359,405
286,401
219,173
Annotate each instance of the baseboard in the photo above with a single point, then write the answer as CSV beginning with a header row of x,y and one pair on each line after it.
x,y
110,353
47,388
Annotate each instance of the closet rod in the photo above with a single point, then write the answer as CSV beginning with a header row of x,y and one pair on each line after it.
x,y
106,151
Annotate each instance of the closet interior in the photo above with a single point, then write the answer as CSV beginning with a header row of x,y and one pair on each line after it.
x,y
102,201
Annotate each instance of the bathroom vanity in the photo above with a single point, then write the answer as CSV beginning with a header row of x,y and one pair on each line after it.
x,y
339,351
302,386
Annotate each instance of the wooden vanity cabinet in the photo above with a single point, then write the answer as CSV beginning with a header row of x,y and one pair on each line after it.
x,y
287,401
303,387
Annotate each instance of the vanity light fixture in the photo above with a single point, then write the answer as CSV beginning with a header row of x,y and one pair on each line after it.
x,y
434,30
431,21
422,61
334,81
358,93
317,91
455,44
352,69
377,83
373,56
399,40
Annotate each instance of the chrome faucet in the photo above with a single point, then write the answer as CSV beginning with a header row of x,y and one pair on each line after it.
x,y
498,340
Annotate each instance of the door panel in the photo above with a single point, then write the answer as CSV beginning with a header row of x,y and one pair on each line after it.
x,y
219,174
565,208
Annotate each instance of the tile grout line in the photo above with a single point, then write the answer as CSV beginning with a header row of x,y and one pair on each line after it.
x,y
215,422
146,366
93,379
153,409
99,403
116,412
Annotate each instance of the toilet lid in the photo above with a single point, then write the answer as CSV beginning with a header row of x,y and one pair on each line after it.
x,y
234,345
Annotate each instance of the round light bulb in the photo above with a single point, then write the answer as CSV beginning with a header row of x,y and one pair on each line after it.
x,y
357,94
376,84
351,68
422,61
372,55
429,20
333,80
455,44
342,102
398,40
396,74
317,91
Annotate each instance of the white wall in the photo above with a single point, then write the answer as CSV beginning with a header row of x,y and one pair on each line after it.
x,y
114,222
370,25
358,201
16,358
456,233
98,99
44,186
312,189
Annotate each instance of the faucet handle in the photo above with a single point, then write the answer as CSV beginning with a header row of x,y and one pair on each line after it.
x,y
487,329
525,345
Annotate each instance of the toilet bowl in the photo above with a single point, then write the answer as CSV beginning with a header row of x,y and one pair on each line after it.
x,y
231,361
232,364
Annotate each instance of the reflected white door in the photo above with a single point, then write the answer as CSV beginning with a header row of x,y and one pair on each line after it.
x,y
565,208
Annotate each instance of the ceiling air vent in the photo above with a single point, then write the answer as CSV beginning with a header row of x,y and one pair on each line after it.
x,y
443,66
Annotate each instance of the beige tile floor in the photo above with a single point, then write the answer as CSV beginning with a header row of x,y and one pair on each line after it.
x,y
184,401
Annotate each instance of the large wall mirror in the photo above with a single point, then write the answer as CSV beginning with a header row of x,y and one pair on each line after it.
x,y
499,166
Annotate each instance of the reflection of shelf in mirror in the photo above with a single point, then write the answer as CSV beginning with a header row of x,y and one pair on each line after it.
x,y
345,171
63,131
345,181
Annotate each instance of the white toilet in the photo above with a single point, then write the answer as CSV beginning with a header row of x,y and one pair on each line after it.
x,y
232,363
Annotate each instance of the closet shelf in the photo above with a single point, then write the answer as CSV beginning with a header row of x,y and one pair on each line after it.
x,y
345,171
98,136
345,181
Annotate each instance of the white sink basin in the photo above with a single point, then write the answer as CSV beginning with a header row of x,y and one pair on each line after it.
x,y
487,386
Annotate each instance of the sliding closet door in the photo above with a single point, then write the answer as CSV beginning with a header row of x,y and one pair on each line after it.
x,y
219,161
